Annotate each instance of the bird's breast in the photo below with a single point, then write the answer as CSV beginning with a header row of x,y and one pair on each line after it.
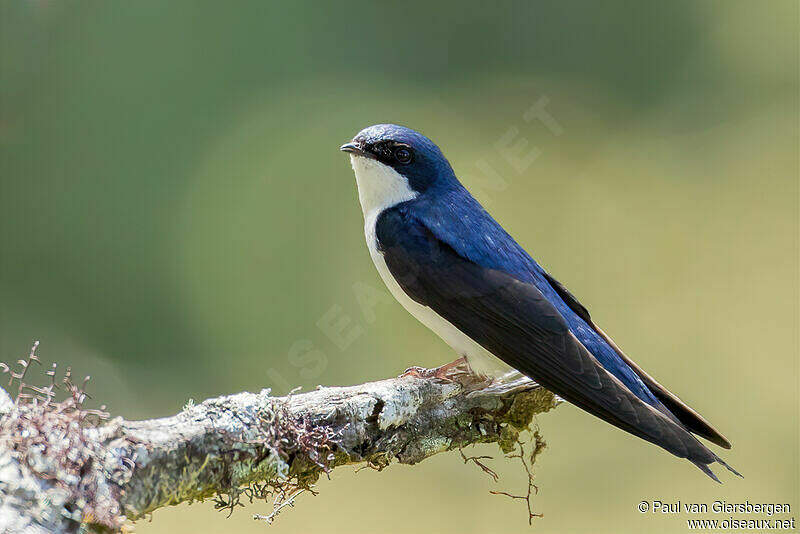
x,y
480,360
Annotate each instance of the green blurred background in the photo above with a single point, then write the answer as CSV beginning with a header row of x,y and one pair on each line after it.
x,y
176,218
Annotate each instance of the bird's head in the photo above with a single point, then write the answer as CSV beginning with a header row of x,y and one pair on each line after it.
x,y
394,163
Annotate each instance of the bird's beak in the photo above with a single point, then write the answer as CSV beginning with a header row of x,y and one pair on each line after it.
x,y
355,149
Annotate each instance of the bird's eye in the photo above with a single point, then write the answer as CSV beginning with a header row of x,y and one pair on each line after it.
x,y
402,154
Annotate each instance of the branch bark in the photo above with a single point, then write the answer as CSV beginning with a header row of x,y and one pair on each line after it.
x,y
61,471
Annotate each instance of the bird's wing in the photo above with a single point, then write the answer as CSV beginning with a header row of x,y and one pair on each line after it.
x,y
515,322
685,414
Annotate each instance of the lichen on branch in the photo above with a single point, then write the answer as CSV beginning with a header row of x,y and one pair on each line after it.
x,y
63,465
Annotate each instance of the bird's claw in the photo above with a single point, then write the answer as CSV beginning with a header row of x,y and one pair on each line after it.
x,y
447,372
417,372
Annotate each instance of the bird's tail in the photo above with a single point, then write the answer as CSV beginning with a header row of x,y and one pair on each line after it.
x,y
707,470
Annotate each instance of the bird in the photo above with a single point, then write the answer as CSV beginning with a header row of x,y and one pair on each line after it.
x,y
457,270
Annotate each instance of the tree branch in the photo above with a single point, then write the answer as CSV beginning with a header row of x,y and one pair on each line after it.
x,y
63,466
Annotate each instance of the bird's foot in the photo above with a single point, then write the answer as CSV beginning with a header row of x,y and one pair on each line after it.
x,y
449,371
417,372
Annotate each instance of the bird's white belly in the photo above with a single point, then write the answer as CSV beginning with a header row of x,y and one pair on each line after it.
x,y
480,360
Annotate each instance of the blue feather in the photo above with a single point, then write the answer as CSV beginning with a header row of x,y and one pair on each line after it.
x,y
456,218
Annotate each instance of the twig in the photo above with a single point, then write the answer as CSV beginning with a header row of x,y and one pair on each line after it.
x,y
477,461
539,445
288,502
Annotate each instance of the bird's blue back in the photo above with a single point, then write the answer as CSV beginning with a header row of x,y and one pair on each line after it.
x,y
456,218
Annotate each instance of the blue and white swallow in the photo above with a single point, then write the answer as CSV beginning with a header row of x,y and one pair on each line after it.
x,y
455,269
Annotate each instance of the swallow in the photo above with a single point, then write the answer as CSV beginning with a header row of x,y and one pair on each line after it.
x,y
455,269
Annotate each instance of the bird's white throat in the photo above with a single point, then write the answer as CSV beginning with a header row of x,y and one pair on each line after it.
x,y
379,186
